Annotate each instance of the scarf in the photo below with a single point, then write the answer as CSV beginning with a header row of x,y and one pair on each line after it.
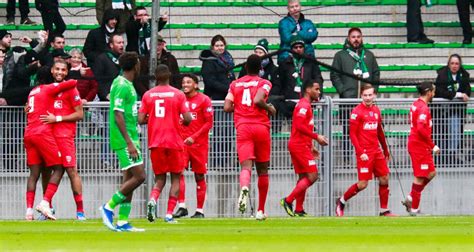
x,y
360,67
428,3
112,57
226,60
298,63
453,84
120,4
144,35
264,64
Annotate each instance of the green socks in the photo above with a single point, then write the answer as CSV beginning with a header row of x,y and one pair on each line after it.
x,y
116,199
124,211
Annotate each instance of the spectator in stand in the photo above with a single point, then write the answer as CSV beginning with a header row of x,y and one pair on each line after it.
x,y
97,39
6,38
57,42
24,11
295,24
452,83
107,66
464,17
50,16
138,31
217,72
415,30
294,71
3,52
122,8
86,83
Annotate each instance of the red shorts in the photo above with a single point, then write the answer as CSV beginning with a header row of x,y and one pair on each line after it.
x,y
376,165
253,143
164,160
422,163
197,156
42,149
302,159
68,151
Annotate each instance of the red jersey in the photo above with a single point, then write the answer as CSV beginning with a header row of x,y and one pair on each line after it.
x,y
303,124
164,105
40,101
420,138
64,104
366,130
242,92
202,113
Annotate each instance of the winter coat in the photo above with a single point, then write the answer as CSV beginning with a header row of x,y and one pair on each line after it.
x,y
348,87
442,91
309,71
132,29
86,85
288,27
215,75
271,74
105,72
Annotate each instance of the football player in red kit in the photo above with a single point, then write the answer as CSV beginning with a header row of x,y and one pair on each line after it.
x,y
303,152
196,143
421,146
247,98
366,133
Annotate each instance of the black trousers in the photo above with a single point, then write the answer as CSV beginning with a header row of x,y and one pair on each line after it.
x,y
464,17
415,30
51,17
24,9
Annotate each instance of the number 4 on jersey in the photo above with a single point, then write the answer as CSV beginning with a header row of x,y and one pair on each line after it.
x,y
246,99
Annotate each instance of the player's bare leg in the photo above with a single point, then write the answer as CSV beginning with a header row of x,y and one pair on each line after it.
x,y
76,187
305,181
201,188
44,206
262,172
412,200
384,193
35,171
351,192
245,176
160,182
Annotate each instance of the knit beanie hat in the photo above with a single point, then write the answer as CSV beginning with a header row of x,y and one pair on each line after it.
x,y
296,39
262,45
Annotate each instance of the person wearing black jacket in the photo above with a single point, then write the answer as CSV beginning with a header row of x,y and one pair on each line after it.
x,y
138,31
50,15
464,17
97,39
107,66
452,83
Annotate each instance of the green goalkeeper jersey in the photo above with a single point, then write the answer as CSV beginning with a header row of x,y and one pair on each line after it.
x,y
123,97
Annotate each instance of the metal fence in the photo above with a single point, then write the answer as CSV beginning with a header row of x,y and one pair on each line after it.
x,y
452,191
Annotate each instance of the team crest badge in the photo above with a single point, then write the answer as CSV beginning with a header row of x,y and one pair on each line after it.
x,y
193,106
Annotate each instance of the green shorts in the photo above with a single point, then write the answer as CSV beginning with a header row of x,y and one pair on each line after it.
x,y
125,161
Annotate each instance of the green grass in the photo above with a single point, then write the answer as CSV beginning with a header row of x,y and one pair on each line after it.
x,y
275,234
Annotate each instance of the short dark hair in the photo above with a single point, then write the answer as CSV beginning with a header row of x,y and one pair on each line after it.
x,y
56,35
61,61
253,65
128,60
366,86
354,29
139,8
425,87
191,76
112,36
309,84
162,74
217,38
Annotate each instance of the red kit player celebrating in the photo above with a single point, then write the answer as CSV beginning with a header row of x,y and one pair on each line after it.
x,y
302,151
196,143
421,146
247,99
40,144
162,107
366,132
67,111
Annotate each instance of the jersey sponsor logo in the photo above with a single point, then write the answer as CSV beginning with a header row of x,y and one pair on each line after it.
x,y
194,115
58,104
246,84
302,111
370,126
312,162
424,166
118,102
162,94
364,170
266,87
353,116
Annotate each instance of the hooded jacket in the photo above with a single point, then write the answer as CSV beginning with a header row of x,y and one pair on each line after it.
x,y
348,87
288,27
214,74
96,41
105,72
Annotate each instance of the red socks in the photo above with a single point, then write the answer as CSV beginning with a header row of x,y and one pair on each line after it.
x,y
182,189
351,192
50,191
30,199
299,189
79,203
416,195
201,188
262,191
155,194
245,175
383,194
300,201
171,204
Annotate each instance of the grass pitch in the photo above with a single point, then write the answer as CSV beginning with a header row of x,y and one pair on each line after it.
x,y
274,234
